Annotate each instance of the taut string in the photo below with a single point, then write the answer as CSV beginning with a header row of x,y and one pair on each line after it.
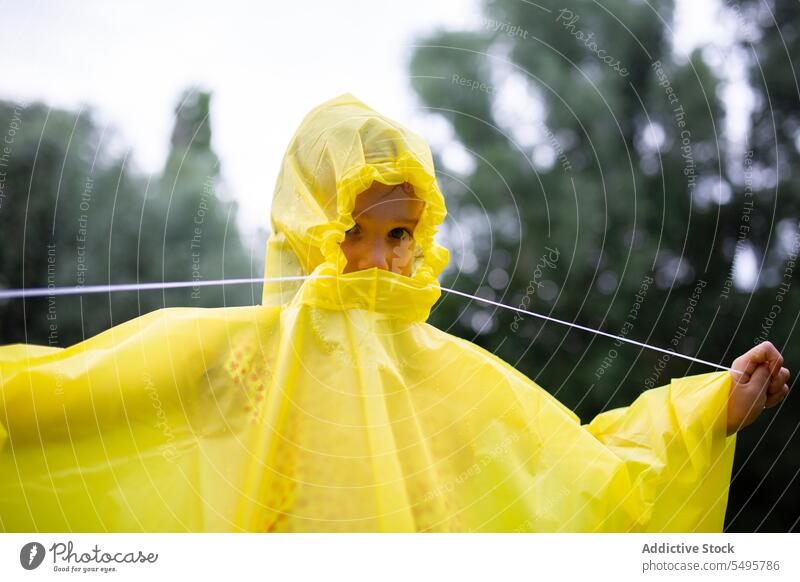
x,y
84,289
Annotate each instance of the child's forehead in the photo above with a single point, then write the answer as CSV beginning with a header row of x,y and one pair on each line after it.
x,y
379,189
382,201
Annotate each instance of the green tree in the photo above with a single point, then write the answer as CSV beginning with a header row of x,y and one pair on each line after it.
x,y
197,227
75,213
588,136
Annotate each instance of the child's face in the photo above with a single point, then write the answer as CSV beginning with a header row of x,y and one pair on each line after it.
x,y
385,218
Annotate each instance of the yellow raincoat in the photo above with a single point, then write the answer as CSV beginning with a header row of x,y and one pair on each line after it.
x,y
333,406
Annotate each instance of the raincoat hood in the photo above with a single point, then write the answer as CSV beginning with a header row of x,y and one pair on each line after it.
x,y
340,148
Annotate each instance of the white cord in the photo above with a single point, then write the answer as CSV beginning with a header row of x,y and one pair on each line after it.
x,y
584,328
79,290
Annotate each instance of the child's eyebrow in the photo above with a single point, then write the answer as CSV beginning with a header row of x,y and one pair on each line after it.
x,y
405,221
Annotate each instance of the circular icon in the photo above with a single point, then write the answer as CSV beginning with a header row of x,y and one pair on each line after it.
x,y
31,555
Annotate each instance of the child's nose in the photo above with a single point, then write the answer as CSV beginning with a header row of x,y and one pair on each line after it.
x,y
375,257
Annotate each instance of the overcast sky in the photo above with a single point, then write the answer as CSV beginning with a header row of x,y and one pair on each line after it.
x,y
267,64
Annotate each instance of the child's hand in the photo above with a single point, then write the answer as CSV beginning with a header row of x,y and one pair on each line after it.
x,y
761,384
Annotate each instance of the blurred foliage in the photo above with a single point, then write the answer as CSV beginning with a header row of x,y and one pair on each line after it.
x,y
74,212
621,165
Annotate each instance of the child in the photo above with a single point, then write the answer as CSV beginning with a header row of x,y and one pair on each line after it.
x,y
333,406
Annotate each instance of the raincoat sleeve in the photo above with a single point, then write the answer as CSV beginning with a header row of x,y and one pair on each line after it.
x,y
139,428
50,393
662,464
673,442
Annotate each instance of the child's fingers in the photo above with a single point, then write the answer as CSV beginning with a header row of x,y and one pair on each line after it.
x,y
763,353
775,399
778,381
759,380
767,352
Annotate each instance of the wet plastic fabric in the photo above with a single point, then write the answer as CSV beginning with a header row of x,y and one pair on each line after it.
x,y
333,406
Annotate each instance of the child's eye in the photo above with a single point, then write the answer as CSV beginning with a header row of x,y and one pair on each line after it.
x,y
399,233
353,230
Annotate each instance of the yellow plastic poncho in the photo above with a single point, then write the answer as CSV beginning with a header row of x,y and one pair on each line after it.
x,y
333,406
